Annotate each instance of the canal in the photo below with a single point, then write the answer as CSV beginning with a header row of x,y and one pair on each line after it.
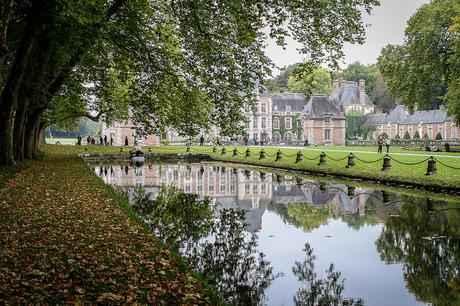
x,y
277,238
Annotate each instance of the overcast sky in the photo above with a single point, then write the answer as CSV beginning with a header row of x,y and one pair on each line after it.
x,y
386,26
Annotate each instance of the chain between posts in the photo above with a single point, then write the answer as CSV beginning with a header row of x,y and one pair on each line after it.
x,y
409,164
446,165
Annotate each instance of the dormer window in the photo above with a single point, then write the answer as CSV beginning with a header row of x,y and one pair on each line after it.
x,y
288,108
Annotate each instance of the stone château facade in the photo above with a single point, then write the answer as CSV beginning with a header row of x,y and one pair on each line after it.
x,y
351,96
287,107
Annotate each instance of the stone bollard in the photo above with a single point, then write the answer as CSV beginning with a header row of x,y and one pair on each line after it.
x,y
262,154
235,152
386,163
298,157
431,169
351,191
299,182
386,197
247,173
322,158
86,148
279,155
248,152
262,176
351,160
224,151
150,149
214,149
188,149
279,179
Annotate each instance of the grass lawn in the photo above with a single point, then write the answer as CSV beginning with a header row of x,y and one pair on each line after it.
x,y
66,237
445,178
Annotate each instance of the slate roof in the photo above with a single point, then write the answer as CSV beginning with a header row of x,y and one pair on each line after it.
x,y
319,105
375,119
349,95
428,116
295,100
400,115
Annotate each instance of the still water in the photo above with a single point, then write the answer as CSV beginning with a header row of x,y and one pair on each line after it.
x,y
278,239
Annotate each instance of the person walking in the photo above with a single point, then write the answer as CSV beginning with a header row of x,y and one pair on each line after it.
x,y
105,139
101,140
79,140
126,141
201,140
379,145
388,144
111,140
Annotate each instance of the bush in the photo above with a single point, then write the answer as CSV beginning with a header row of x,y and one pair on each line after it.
x,y
425,137
416,135
407,136
447,147
397,136
438,136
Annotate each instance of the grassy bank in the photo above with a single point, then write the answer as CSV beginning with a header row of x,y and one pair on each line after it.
x,y
408,167
68,238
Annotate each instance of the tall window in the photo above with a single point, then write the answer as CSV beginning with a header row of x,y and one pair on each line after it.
x,y
254,123
263,122
288,123
246,107
288,136
276,123
288,109
247,123
276,136
327,119
264,108
327,134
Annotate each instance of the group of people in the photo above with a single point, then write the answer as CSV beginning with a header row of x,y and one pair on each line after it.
x,y
381,142
103,141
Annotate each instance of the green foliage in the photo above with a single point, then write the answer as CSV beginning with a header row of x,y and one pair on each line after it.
x,y
354,123
309,217
317,82
407,136
438,136
425,137
281,80
417,135
397,136
357,71
380,95
423,72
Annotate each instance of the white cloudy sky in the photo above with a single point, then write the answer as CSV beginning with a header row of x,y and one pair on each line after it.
x,y
386,26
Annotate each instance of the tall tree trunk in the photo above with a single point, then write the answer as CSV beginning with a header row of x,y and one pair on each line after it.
x,y
30,135
6,6
8,99
19,127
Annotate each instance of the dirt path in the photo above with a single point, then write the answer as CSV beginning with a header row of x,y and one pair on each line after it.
x,y
65,238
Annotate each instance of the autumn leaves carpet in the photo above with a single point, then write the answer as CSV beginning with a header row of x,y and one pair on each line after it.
x,y
65,237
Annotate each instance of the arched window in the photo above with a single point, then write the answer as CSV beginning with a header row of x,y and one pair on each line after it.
x,y
276,123
288,136
276,136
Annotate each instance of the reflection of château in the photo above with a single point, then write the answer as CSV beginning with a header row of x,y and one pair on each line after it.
x,y
235,188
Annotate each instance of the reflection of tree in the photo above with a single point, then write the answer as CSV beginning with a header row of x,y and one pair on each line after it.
x,y
302,215
357,221
175,216
309,217
227,257
428,245
231,259
319,292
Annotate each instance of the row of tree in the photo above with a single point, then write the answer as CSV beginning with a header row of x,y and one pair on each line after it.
x,y
163,63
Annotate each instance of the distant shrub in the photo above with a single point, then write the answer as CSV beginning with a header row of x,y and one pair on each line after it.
x,y
447,147
407,136
416,135
425,137
438,136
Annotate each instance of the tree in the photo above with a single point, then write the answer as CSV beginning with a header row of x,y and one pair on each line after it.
x,y
55,54
423,72
416,135
354,123
407,136
285,73
357,71
318,82
438,136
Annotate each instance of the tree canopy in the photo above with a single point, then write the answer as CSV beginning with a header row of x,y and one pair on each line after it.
x,y
424,71
357,71
183,63
317,82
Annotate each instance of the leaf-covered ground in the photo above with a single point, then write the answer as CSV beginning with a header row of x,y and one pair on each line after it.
x,y
67,238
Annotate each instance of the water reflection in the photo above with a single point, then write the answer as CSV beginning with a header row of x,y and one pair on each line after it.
x,y
219,248
315,291
426,240
372,226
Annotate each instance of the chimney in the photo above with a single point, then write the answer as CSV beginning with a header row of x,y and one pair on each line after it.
x,y
362,92
335,89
